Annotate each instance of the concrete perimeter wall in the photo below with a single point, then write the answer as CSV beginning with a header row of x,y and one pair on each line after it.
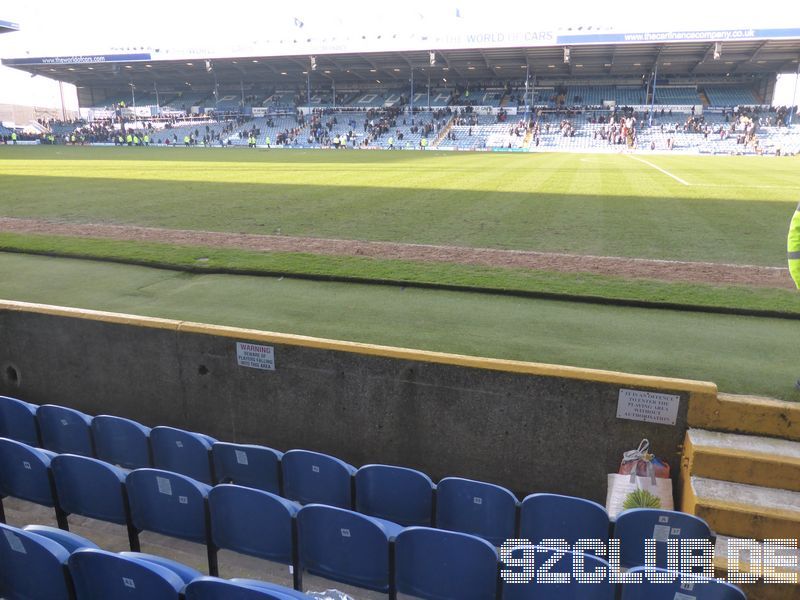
x,y
530,427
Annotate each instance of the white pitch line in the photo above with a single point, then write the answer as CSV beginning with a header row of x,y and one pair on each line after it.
x,y
657,168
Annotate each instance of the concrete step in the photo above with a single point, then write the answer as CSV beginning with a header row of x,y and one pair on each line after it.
x,y
741,510
747,414
754,460
759,589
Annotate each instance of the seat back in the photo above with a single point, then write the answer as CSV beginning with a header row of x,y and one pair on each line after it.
x,y
25,473
253,522
32,566
476,507
248,465
678,588
66,539
168,503
343,545
586,578
184,452
398,494
636,525
100,574
313,477
18,421
213,588
121,442
432,563
552,516
90,487
65,430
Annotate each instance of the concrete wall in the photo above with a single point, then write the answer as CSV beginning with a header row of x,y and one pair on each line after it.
x,y
526,426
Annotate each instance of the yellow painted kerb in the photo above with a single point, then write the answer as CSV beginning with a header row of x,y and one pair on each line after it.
x,y
696,388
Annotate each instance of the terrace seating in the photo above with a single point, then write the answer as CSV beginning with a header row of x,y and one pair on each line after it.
x,y
431,563
213,588
267,530
553,516
92,488
247,464
25,474
728,96
18,421
121,441
676,95
397,494
170,504
677,588
100,574
183,452
562,565
345,546
65,430
312,477
636,525
325,540
477,508
33,566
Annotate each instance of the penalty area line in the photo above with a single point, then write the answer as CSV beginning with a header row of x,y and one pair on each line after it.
x,y
657,168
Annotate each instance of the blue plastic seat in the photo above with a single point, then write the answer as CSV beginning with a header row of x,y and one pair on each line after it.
x,y
184,452
435,564
313,477
213,588
252,522
18,421
100,574
398,494
32,566
66,539
636,525
345,546
65,430
248,465
25,474
92,488
679,588
560,563
170,504
186,573
476,507
121,442
552,516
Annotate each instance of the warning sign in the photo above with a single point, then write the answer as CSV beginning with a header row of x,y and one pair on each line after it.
x,y
255,356
650,407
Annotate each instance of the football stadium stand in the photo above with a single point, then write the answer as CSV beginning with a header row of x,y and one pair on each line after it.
x,y
249,499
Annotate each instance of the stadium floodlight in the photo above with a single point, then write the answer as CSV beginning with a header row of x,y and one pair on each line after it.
x,y
432,57
717,50
313,63
566,56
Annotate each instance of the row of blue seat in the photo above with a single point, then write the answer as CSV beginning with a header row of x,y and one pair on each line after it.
x,y
43,563
332,542
402,495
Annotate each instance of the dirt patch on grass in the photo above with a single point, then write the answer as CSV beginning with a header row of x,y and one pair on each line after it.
x,y
689,272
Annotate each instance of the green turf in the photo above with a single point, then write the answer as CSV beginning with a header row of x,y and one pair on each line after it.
x,y
523,280
740,354
736,209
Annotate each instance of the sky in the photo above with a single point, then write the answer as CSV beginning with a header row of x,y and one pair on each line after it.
x,y
51,27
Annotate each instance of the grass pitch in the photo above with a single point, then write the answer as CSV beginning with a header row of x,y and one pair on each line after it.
x,y
733,210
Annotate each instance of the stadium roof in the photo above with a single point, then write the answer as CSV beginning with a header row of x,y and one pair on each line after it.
x,y
8,26
471,56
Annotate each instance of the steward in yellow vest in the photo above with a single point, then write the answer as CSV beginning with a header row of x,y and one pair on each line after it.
x,y
793,247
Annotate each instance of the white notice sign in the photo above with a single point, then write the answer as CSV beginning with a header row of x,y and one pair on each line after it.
x,y
651,407
255,356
